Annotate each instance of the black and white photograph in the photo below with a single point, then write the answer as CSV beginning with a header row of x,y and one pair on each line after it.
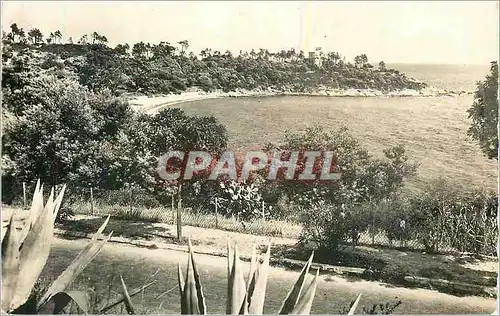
x,y
250,157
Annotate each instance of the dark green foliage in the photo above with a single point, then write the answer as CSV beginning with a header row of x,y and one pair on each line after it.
x,y
335,211
62,132
160,68
484,113
443,216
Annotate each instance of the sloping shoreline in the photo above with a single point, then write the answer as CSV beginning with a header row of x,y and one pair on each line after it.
x,y
155,103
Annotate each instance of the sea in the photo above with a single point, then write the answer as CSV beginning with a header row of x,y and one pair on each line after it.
x,y
453,77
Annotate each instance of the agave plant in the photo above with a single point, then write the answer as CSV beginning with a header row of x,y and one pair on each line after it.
x,y
25,252
248,298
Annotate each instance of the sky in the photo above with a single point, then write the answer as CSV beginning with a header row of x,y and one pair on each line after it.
x,y
461,32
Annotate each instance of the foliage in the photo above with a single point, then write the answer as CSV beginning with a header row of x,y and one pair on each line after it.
x,y
484,113
247,297
58,130
164,68
394,217
25,252
241,200
465,221
336,207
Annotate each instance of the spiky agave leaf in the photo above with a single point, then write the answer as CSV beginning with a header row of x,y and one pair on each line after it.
x,y
59,301
258,293
77,266
34,253
294,294
126,298
304,304
237,286
192,299
199,288
10,263
58,202
35,210
251,280
180,279
229,256
354,305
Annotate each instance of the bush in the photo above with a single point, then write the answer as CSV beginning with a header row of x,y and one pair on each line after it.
x,y
325,226
136,197
473,224
444,217
241,200
394,217
364,181
432,211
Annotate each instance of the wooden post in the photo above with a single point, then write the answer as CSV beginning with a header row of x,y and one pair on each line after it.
x,y
172,208
179,220
263,211
91,201
130,200
216,214
25,203
373,222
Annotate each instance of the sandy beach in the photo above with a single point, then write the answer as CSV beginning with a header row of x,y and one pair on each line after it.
x,y
154,103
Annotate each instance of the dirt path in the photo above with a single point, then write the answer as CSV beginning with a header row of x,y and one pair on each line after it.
x,y
334,293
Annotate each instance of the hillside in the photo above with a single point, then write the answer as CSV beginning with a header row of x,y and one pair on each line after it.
x,y
164,69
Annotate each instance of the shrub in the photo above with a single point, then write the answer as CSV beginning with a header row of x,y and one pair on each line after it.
x,y
241,200
364,181
432,211
473,224
57,129
442,216
394,217
325,226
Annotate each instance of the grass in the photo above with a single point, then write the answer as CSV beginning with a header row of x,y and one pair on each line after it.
x,y
196,219
433,130
258,227
384,263
392,266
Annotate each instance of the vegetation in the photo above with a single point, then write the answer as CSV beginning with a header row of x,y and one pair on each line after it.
x,y
335,212
484,114
248,298
24,254
65,122
169,68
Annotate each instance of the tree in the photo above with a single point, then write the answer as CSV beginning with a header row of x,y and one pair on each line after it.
x,y
83,40
484,114
58,36
59,129
22,36
51,38
381,66
14,31
122,49
184,46
360,60
35,36
140,50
